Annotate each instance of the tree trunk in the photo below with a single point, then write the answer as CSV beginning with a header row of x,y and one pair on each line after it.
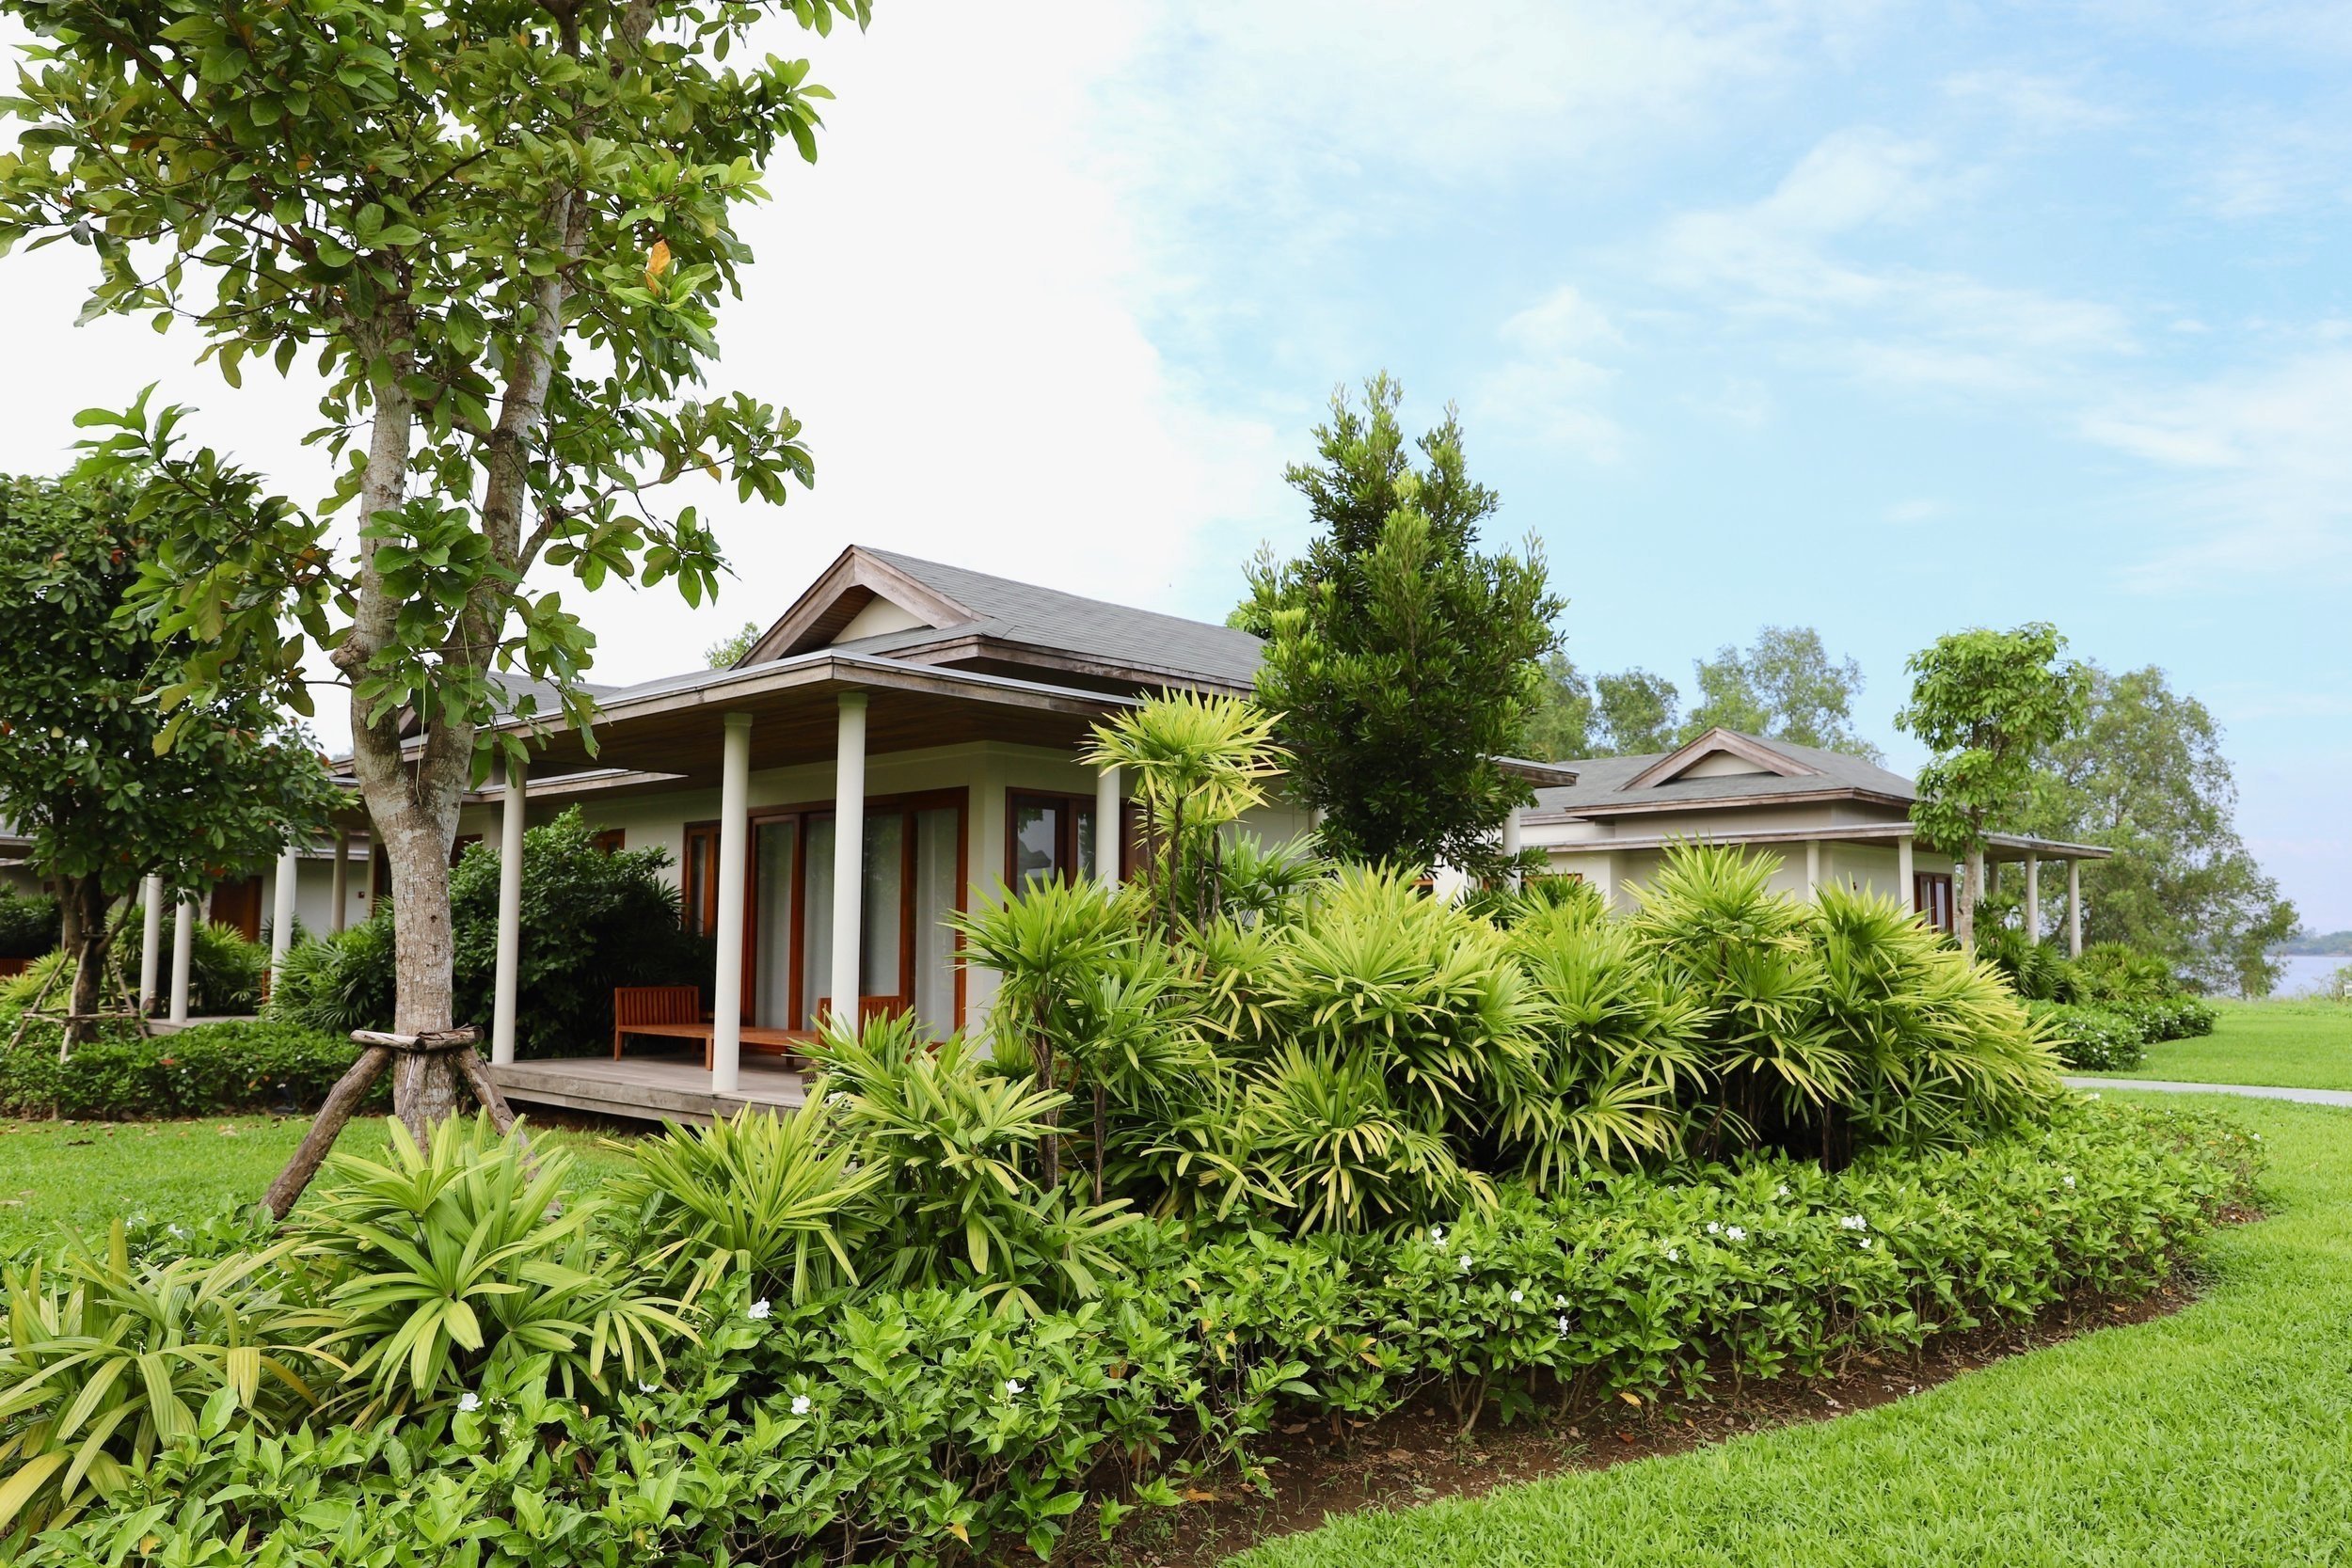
x,y
82,903
1964,907
412,803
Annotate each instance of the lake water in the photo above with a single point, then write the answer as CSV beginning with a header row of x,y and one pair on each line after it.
x,y
2306,971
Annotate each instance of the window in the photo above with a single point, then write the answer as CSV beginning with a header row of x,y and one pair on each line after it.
x,y
610,841
1932,896
1048,838
698,879
458,847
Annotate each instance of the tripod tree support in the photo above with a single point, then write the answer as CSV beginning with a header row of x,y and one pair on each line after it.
x,y
380,1050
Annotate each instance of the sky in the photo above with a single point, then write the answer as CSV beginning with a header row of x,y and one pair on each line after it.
x,y
1884,319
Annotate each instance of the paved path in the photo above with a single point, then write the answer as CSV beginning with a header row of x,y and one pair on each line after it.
x,y
2304,1097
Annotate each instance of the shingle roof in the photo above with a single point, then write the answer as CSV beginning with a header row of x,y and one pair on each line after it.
x,y
1069,622
1601,782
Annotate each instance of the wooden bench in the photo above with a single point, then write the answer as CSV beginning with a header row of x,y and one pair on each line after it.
x,y
675,1012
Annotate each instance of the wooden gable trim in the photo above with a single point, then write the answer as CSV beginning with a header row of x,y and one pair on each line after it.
x,y
855,579
1670,767
964,649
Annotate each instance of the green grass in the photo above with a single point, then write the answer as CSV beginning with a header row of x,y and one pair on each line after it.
x,y
82,1174
2213,1436
2294,1045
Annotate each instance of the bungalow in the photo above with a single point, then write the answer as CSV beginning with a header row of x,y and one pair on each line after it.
x,y
904,741
1829,817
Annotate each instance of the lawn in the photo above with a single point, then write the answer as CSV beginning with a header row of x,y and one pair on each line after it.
x,y
2213,1436
2295,1045
82,1174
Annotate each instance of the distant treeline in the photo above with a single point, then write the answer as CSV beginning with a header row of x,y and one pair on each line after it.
x,y
2335,944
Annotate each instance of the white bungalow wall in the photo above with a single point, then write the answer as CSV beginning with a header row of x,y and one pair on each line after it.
x,y
988,769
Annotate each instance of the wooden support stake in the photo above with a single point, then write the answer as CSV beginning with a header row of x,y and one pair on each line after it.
x,y
486,1091
340,1101
352,1087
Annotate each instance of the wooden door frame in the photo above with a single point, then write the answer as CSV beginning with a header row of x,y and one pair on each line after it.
x,y
907,805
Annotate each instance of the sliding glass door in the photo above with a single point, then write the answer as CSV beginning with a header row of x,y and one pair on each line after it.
x,y
913,879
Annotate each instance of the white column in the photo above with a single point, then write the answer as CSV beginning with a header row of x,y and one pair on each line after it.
x,y
510,939
341,917
1511,842
2073,909
281,913
735,789
183,942
151,939
848,857
1812,869
1108,799
2033,898
1906,889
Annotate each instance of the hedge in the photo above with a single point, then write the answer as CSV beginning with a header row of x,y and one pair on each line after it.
x,y
924,1427
212,1068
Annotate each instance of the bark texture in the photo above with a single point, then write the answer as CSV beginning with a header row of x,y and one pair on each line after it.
x,y
82,905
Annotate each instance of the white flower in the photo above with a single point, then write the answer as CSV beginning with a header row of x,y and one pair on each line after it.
x,y
1674,1255
1013,1385
1564,1323
2258,1138
1714,1230
1466,1262
1864,1243
1782,1191
1737,1234
2068,1179
1517,1296
470,1403
2091,1096
644,1387
1559,1301
758,1308
800,1404
1437,1235
1854,1222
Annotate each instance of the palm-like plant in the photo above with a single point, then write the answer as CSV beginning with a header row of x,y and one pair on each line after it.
x,y
949,1139
1719,933
1416,987
106,1361
1200,764
1617,1051
770,1194
1049,944
1322,1125
452,1259
1939,1044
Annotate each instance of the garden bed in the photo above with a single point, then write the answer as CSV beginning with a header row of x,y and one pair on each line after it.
x,y
1421,1456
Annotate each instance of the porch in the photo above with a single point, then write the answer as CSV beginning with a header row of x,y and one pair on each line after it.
x,y
811,885
647,1087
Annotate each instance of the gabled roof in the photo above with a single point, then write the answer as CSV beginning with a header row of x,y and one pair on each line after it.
x,y
1608,787
964,616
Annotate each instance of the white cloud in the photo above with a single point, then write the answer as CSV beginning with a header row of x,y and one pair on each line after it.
x,y
1550,389
953,300
1918,509
2035,102
2265,460
1789,255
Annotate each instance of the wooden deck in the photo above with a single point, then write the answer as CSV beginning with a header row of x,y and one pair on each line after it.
x,y
646,1087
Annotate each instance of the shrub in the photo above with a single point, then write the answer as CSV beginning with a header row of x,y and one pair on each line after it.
x,y
212,1068
923,1425
226,972
2092,1039
592,920
29,924
450,1262
340,982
